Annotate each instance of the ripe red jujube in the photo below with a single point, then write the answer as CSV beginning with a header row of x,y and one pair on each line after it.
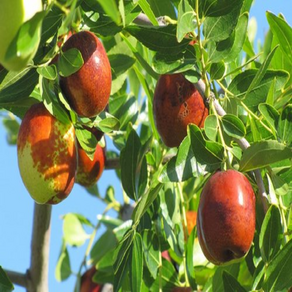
x,y
226,217
176,104
87,284
89,171
88,89
46,155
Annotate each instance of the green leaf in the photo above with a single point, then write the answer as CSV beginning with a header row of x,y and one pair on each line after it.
x,y
189,259
163,7
145,201
181,167
233,126
120,63
107,242
150,251
263,153
182,62
231,284
216,8
70,62
87,141
160,39
185,19
111,9
107,123
270,114
16,90
101,24
136,267
261,72
73,231
271,234
27,39
5,283
48,72
63,267
206,152
217,70
228,50
240,84
148,11
51,101
12,127
285,125
125,109
220,28
168,277
123,259
129,165
211,127
258,275
278,272
281,29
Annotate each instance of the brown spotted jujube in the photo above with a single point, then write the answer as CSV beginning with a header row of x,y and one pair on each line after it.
x,y
176,104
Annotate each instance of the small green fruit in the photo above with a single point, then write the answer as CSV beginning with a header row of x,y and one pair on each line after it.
x,y
46,156
12,15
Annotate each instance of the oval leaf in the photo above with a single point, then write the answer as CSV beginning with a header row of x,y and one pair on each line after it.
x,y
271,234
233,126
263,153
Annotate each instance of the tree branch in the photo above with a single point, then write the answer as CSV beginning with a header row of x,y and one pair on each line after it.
x,y
39,260
17,278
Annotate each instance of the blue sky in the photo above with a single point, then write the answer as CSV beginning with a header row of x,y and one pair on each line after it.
x,y
16,206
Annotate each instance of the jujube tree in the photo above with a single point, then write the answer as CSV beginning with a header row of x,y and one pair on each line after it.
x,y
201,131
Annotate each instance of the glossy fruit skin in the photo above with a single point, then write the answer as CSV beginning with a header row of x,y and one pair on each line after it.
x,y
226,217
88,89
176,104
46,156
89,171
86,284
12,15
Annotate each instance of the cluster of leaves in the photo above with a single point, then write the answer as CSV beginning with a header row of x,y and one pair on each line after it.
x,y
165,183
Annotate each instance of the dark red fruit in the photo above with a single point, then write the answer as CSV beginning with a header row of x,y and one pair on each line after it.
x,y
88,89
226,217
176,104
87,284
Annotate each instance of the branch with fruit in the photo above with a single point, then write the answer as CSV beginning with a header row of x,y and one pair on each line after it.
x,y
151,85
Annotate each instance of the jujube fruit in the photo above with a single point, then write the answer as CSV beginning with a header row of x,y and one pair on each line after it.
x,y
226,217
12,15
87,284
88,90
46,155
89,171
176,104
